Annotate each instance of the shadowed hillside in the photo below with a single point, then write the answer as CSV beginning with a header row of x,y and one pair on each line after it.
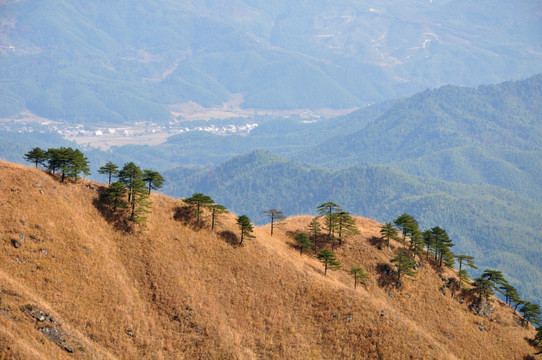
x,y
71,283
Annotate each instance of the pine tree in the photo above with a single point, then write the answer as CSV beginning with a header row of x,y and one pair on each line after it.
x,y
314,230
358,273
388,232
303,242
329,260
537,340
68,161
246,227
465,259
216,210
78,164
110,170
346,226
443,243
404,265
114,196
407,224
531,313
197,201
495,277
416,243
276,216
463,276
483,287
517,301
429,242
129,173
139,203
153,179
510,293
328,210
36,155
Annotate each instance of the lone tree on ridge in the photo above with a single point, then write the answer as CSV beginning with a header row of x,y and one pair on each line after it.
x,y
276,217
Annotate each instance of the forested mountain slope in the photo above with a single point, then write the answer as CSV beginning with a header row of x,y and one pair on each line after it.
x,y
486,135
500,228
76,286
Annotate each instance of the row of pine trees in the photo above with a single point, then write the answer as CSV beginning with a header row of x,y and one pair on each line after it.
x,y
130,192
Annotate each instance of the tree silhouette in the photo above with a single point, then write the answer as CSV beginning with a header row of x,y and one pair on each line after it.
x,y
276,216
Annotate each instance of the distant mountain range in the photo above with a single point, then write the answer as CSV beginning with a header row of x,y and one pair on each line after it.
x,y
124,61
467,159
499,227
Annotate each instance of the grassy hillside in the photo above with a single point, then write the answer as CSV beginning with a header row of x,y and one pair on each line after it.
x,y
498,227
168,291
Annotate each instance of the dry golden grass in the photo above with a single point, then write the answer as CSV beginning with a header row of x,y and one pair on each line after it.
x,y
167,291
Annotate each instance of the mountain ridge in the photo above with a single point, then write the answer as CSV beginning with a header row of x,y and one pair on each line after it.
x,y
169,291
477,216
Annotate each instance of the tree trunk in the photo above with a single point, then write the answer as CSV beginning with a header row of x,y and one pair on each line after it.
x,y
213,222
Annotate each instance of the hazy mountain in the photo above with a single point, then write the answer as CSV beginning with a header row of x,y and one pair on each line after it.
x,y
497,226
485,135
125,61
